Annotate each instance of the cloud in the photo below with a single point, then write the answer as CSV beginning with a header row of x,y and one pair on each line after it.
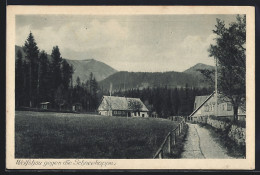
x,y
76,36
136,43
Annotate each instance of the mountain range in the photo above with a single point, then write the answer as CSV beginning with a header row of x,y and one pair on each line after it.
x,y
83,68
105,75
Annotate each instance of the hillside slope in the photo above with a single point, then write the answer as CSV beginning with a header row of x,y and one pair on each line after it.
x,y
194,69
83,68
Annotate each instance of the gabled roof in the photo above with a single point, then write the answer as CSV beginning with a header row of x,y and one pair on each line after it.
x,y
201,102
120,103
44,103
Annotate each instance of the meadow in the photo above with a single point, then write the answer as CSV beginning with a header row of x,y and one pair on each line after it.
x,y
68,135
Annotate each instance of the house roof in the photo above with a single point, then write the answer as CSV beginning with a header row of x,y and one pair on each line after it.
x,y
44,103
120,103
201,102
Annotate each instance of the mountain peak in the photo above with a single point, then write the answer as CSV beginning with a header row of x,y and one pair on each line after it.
x,y
194,69
91,59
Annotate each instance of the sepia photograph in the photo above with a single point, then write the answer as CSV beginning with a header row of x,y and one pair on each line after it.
x,y
96,89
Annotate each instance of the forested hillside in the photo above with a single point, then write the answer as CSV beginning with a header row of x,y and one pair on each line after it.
x,y
128,80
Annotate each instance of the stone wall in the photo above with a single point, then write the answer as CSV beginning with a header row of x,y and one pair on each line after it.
x,y
236,133
217,124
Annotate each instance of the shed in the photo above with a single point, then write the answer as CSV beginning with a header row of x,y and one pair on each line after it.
x,y
45,105
77,107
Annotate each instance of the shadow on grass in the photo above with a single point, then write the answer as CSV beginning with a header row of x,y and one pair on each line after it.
x,y
221,137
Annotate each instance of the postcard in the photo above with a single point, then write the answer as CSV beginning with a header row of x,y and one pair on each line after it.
x,y
130,87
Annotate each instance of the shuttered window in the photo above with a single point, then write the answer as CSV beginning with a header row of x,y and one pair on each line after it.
x,y
229,107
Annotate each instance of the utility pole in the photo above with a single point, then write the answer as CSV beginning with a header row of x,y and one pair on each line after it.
x,y
110,105
216,87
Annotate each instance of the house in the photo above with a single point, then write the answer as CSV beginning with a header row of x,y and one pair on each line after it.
x,y
45,105
205,106
122,106
77,107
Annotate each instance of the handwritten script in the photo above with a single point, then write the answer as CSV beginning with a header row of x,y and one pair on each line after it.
x,y
77,162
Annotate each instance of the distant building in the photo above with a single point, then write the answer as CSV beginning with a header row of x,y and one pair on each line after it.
x,y
77,107
45,105
154,114
122,106
205,106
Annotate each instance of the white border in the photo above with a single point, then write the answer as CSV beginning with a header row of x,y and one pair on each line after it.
x,y
248,163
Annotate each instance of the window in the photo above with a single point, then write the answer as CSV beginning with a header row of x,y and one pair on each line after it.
x,y
229,107
206,108
115,112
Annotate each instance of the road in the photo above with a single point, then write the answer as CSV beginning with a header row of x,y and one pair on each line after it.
x,y
200,145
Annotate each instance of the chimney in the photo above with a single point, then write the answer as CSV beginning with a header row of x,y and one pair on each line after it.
x,y
110,91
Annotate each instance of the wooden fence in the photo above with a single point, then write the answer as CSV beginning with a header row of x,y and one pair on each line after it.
x,y
169,141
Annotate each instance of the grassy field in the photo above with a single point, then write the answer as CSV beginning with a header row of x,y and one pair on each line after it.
x,y
66,135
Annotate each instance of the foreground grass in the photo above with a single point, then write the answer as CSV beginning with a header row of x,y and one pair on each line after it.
x,y
65,135
223,139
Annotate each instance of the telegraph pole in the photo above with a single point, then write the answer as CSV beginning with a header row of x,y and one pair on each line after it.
x,y
216,87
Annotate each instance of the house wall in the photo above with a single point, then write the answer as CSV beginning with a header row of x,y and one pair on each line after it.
x,y
119,113
123,113
224,109
106,113
44,106
139,114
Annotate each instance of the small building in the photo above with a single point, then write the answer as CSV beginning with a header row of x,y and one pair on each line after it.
x,y
154,114
205,106
122,106
77,107
45,105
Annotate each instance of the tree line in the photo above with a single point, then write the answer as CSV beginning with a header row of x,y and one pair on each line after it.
x,y
42,79
167,101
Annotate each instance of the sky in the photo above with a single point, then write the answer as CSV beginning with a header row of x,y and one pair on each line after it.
x,y
136,43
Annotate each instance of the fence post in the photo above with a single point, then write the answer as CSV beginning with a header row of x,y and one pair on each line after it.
x,y
160,156
169,143
174,138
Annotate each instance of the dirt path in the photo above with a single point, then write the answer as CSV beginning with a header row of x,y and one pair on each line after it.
x,y
200,145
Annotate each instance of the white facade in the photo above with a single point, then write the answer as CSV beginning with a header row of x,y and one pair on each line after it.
x,y
139,114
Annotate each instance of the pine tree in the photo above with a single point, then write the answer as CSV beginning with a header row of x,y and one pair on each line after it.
x,y
56,66
19,78
56,69
66,74
44,77
31,51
